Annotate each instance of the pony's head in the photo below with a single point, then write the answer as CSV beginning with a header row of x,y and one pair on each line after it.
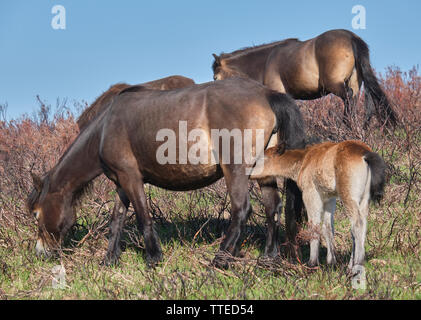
x,y
53,211
221,70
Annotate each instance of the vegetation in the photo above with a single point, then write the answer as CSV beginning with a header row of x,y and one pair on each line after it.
x,y
191,224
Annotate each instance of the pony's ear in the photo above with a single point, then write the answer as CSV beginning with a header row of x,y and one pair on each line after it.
x,y
217,58
37,182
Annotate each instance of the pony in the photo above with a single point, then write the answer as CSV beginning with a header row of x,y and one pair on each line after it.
x,y
125,140
268,187
336,61
349,170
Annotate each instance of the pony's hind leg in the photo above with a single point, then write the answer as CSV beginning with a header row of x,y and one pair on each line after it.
x,y
314,206
116,226
237,185
359,213
354,190
293,217
349,105
358,232
328,229
273,208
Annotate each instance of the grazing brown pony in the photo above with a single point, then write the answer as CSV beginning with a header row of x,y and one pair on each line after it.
x,y
124,142
336,61
349,170
104,100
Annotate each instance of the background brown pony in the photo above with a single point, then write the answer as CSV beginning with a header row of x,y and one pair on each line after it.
x,y
336,61
103,101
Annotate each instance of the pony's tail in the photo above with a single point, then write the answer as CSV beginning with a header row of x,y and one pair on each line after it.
x,y
289,121
290,128
378,175
375,98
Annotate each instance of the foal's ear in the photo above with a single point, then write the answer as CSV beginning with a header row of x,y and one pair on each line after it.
x,y
37,182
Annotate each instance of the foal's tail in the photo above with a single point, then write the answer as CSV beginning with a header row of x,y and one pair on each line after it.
x,y
378,175
289,121
375,98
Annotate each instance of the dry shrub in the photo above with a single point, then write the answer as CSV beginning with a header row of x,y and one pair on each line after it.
x,y
36,143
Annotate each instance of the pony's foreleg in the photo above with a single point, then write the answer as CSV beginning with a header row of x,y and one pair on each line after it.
x,y
237,185
116,226
132,184
328,229
273,207
314,206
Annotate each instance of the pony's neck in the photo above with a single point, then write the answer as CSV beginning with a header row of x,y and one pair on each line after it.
x,y
79,165
250,62
287,164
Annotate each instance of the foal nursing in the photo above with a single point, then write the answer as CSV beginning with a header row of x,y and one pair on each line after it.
x,y
323,172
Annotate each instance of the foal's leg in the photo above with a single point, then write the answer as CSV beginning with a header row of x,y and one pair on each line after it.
x,y
116,226
273,208
237,185
328,229
314,206
359,213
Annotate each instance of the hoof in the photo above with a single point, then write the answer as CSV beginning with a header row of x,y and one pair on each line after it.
x,y
153,261
222,260
109,261
269,261
312,264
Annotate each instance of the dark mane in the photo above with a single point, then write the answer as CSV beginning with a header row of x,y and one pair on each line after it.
x,y
135,88
243,51
255,48
35,194
99,105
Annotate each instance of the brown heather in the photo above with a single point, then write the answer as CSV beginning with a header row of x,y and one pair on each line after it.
x,y
191,224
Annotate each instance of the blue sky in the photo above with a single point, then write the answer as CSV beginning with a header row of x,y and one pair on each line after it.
x,y
136,41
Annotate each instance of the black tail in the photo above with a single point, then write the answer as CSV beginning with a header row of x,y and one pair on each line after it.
x,y
289,121
290,127
378,175
375,98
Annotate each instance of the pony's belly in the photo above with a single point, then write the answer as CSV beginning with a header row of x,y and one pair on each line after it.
x,y
182,177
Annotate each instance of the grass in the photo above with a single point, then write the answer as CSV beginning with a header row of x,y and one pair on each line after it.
x,y
189,245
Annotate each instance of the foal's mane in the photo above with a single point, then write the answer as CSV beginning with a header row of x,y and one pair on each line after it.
x,y
99,105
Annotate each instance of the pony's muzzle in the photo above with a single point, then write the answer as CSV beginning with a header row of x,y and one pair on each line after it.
x,y
41,250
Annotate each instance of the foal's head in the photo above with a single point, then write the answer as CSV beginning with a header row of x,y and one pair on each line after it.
x,y
53,212
221,70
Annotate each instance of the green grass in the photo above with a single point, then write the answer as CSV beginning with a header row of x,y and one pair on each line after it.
x,y
393,272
